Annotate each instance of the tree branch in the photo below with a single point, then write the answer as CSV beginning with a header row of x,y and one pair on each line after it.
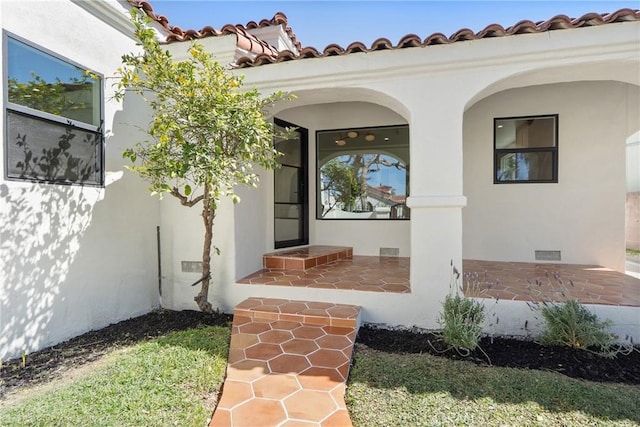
x,y
184,200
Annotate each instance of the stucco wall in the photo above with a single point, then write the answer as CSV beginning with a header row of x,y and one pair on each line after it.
x,y
365,236
633,221
582,215
74,258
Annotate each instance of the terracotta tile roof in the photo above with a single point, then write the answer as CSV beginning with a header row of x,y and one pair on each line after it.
x,y
245,40
267,54
559,22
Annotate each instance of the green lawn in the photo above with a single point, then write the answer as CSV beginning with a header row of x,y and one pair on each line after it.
x,y
163,382
168,381
423,390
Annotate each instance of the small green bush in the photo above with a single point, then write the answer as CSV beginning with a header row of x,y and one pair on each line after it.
x,y
571,324
461,321
461,318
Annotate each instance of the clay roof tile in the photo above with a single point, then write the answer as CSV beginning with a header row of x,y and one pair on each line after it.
x,y
309,52
410,40
435,39
463,35
523,27
381,44
285,55
356,47
333,50
493,30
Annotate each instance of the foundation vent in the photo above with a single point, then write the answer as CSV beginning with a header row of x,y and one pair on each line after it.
x,y
192,266
389,251
548,256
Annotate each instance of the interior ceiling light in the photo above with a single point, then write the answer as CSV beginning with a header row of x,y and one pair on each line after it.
x,y
369,137
352,134
340,142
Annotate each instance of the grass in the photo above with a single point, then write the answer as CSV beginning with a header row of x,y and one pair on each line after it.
x,y
633,252
162,382
167,381
422,390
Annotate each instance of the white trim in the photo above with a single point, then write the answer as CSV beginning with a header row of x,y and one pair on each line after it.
x,y
416,202
106,11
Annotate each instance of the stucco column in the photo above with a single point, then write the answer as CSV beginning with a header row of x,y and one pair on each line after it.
x,y
436,202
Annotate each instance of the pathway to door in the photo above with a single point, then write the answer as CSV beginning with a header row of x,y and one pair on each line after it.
x,y
288,364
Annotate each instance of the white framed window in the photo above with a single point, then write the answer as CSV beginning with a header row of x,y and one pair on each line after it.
x,y
53,117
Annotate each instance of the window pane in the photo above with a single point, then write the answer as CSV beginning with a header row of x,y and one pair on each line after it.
x,y
531,166
363,173
526,132
286,185
43,82
44,150
290,149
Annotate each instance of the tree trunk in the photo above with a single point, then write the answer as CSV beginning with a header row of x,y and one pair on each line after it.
x,y
208,215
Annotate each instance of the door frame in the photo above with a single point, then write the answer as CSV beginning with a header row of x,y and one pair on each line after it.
x,y
303,189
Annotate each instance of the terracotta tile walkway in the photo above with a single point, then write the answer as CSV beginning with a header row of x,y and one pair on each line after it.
x,y
288,364
360,273
523,281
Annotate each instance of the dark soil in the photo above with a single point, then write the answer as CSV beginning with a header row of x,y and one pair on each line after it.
x,y
513,353
53,362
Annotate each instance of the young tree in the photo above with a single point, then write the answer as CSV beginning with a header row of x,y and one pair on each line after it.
x,y
206,134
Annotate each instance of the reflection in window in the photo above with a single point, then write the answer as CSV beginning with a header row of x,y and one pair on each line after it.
x,y
54,116
526,149
363,173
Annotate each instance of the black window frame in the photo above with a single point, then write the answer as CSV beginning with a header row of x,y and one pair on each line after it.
x,y
65,124
406,210
499,152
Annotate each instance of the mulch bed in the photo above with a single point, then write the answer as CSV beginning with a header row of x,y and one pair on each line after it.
x,y
51,363
511,352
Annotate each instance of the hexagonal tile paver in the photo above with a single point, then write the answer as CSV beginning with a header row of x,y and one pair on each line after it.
x,y
285,325
259,412
336,342
276,386
327,358
247,370
308,332
299,346
289,363
235,393
310,405
320,379
275,336
263,351
337,419
254,327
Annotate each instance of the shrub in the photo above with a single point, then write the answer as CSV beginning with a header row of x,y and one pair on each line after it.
x,y
567,322
461,321
571,324
461,318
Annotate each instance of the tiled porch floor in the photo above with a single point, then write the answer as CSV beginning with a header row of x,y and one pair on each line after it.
x,y
504,280
288,364
361,273
523,281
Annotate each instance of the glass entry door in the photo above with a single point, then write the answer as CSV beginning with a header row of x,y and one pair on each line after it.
x,y
291,201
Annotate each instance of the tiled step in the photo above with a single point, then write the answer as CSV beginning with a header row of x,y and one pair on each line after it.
x,y
305,258
288,364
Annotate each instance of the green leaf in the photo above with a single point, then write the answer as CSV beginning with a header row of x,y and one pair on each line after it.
x,y
187,190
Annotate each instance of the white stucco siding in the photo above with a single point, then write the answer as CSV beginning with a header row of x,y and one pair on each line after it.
x,y
582,215
74,258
